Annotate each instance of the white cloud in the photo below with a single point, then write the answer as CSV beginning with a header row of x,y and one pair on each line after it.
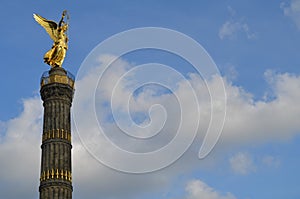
x,y
247,122
242,163
198,189
228,29
233,26
292,10
251,121
19,152
230,72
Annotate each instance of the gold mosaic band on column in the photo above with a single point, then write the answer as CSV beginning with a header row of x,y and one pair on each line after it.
x,y
57,134
56,174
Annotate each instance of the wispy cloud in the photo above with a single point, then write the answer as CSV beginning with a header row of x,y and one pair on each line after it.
x,y
292,10
271,161
242,163
196,189
235,25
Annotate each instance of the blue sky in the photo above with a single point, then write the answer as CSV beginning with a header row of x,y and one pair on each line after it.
x,y
255,45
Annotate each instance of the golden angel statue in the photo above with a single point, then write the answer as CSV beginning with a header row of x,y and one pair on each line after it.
x,y
56,55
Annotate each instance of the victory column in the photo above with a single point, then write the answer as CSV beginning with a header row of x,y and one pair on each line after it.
x,y
57,89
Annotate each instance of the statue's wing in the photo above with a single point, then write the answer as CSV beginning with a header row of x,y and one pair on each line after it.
x,y
50,26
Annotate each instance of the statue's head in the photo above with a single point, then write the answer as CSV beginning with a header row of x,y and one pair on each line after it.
x,y
64,27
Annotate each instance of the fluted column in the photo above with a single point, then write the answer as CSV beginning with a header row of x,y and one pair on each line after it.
x,y
57,89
